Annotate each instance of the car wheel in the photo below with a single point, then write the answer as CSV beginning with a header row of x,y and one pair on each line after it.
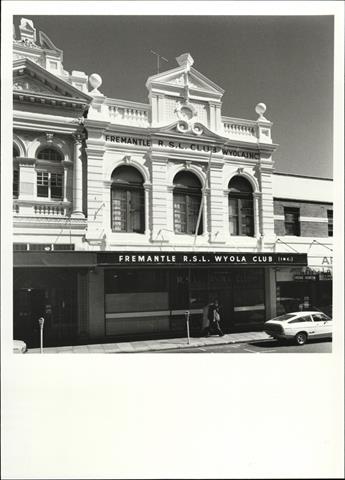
x,y
301,338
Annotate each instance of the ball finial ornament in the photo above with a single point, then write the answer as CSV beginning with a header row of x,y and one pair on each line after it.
x,y
260,109
95,80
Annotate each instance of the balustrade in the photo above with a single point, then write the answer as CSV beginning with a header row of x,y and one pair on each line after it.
x,y
129,115
49,210
239,128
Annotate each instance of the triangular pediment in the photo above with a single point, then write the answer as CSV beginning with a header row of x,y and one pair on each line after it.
x,y
182,77
30,78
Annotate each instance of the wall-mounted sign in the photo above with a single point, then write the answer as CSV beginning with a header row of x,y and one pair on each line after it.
x,y
197,147
200,259
306,277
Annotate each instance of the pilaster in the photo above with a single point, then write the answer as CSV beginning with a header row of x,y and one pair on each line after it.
x,y
78,177
158,207
216,204
95,150
265,170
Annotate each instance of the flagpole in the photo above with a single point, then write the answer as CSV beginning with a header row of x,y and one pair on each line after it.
x,y
203,198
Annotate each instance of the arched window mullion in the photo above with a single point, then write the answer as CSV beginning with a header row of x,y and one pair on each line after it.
x,y
127,201
50,175
241,207
186,203
15,183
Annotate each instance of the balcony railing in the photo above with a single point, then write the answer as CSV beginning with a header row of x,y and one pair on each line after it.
x,y
236,127
128,113
27,208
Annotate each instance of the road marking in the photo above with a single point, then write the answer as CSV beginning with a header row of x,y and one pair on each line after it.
x,y
251,351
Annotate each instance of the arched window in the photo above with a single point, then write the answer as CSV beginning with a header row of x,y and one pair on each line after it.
x,y
187,200
15,185
241,212
50,174
127,200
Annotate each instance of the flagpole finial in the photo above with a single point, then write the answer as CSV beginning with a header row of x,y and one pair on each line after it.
x,y
158,59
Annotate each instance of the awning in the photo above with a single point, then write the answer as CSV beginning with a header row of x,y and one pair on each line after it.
x,y
55,259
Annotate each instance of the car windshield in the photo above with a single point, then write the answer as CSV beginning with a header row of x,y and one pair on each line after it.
x,y
282,318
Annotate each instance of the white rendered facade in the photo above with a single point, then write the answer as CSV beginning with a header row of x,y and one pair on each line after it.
x,y
176,131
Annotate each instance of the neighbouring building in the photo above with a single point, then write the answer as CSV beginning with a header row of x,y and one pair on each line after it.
x,y
127,215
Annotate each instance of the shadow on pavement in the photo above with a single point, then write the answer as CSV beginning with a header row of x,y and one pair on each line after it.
x,y
277,343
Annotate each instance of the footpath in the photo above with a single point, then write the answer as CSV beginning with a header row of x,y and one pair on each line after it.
x,y
156,345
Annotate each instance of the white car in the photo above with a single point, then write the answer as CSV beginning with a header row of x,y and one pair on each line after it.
x,y
300,326
19,346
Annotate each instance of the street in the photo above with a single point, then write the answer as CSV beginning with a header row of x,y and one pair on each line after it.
x,y
262,346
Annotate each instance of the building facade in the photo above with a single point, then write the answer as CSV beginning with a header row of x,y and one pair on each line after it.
x,y
128,215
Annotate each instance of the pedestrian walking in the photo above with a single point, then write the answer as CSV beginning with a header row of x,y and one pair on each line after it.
x,y
214,319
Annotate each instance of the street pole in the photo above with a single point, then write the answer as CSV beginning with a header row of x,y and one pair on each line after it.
x,y
41,322
187,323
202,200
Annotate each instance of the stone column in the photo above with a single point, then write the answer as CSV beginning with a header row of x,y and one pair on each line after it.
x,y
67,164
78,178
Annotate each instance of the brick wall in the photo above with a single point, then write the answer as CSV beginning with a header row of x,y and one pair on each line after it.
x,y
313,217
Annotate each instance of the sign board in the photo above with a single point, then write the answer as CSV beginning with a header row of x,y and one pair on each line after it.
x,y
201,259
181,145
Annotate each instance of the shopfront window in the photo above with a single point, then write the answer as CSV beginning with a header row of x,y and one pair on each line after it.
x,y
248,297
187,200
241,210
127,200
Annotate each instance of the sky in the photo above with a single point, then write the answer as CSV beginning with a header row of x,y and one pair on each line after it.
x,y
285,62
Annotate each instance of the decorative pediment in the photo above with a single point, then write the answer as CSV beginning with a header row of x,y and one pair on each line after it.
x,y
30,78
195,130
185,76
192,79
29,84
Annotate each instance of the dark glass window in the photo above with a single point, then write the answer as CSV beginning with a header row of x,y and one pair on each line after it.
x,y
50,181
50,154
127,200
187,200
291,221
42,184
320,318
56,186
15,183
40,247
20,247
330,222
15,189
63,246
241,208
129,281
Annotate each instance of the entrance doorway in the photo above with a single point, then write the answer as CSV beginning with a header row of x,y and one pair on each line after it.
x,y
28,307
50,294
